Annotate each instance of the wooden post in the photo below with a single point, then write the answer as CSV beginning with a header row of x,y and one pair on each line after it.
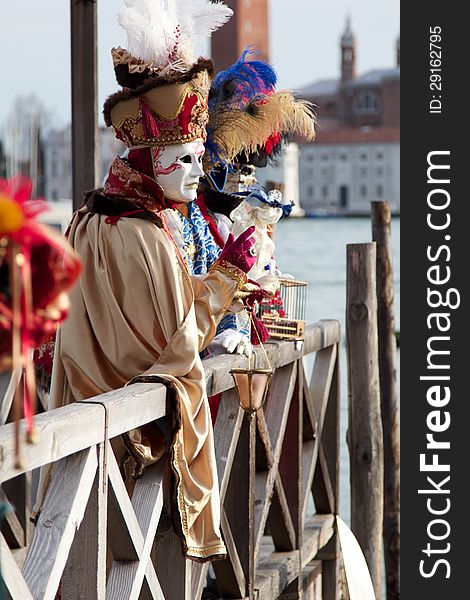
x,y
381,234
365,424
85,572
238,519
84,98
290,468
330,441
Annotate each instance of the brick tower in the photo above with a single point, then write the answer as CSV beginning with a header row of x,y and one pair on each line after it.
x,y
248,26
348,54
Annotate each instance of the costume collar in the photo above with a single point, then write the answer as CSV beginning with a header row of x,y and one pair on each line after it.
x,y
125,182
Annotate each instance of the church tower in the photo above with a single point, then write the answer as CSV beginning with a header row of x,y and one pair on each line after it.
x,y
248,26
348,54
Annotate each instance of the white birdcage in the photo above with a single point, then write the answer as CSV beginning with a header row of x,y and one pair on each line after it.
x,y
284,313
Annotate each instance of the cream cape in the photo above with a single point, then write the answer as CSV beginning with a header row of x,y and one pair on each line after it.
x,y
136,311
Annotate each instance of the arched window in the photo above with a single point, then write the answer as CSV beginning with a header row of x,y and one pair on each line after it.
x,y
367,103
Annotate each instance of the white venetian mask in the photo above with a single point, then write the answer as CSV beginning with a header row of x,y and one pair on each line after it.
x,y
178,169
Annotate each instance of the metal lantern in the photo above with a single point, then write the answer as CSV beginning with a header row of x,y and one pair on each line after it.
x,y
253,383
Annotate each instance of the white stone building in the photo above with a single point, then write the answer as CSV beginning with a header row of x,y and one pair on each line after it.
x,y
58,165
346,169
58,160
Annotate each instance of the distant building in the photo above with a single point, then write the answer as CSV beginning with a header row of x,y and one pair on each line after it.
x,y
370,100
249,26
58,160
286,173
355,158
58,165
110,147
346,169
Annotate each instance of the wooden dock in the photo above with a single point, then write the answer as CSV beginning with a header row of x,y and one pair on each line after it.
x,y
279,485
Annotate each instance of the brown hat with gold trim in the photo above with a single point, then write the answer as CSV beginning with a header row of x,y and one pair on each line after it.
x,y
165,86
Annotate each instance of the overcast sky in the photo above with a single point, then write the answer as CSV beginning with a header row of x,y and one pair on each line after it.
x,y
35,38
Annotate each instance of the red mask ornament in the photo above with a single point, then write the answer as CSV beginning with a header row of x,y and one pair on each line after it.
x,y
37,267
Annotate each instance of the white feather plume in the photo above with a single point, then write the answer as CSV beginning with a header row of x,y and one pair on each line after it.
x,y
168,33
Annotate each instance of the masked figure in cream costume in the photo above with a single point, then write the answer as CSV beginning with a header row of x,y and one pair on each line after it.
x,y
138,314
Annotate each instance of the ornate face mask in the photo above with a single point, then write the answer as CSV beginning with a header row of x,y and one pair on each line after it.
x,y
178,169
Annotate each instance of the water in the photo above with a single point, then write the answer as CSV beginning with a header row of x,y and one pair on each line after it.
x,y
314,250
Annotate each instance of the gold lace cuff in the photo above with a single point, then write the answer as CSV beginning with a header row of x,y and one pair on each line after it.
x,y
230,271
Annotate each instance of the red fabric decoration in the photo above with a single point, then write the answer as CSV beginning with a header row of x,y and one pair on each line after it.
x,y
149,124
201,202
259,333
214,404
113,219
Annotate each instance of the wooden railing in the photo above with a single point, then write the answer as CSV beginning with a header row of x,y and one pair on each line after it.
x,y
278,474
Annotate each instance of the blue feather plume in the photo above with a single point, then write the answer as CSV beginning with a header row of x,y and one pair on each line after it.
x,y
235,89
243,81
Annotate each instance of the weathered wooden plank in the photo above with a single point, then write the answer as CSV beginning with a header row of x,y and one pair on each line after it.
x,y
198,579
230,571
61,515
330,439
127,408
279,569
312,581
365,438
276,573
309,430
239,501
72,428
318,531
317,336
323,493
8,384
277,406
382,235
12,529
173,569
331,443
226,434
12,576
322,374
279,520
19,491
126,577
317,395
85,571
125,536
290,469
272,436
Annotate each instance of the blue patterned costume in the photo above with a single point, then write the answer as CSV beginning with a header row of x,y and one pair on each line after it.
x,y
197,246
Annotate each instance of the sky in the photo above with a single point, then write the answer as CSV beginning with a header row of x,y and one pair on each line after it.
x,y
35,39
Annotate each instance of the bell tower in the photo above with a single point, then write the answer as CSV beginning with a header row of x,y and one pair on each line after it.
x,y
248,26
348,54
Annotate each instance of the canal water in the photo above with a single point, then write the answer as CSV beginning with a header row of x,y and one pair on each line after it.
x,y
314,250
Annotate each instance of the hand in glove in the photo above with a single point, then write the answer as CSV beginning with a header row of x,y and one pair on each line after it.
x,y
238,251
231,341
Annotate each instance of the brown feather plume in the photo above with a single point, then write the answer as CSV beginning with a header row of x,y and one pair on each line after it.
x,y
247,131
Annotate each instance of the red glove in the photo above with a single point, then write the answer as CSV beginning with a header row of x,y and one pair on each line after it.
x,y
237,251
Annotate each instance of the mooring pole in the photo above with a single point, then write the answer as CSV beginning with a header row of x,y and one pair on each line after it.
x,y
365,425
84,98
381,234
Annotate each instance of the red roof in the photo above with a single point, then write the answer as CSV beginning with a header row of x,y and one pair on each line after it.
x,y
349,135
